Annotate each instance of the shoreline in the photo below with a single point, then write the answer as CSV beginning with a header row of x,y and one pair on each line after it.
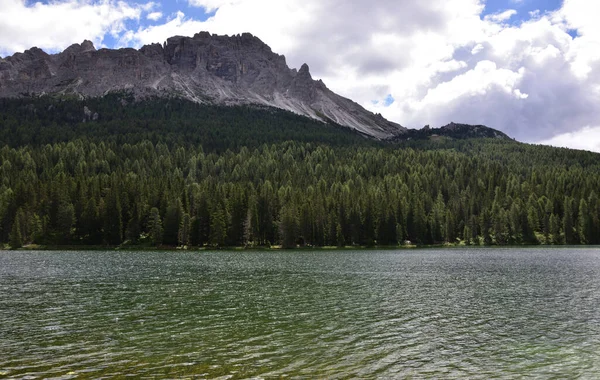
x,y
91,248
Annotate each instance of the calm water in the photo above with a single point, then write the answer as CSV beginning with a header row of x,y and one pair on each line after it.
x,y
369,314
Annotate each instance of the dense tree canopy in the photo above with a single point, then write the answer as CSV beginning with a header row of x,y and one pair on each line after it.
x,y
203,176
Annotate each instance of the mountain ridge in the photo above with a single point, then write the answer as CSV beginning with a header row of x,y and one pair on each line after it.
x,y
205,68
454,131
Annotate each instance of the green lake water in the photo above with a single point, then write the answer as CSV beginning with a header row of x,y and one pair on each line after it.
x,y
452,313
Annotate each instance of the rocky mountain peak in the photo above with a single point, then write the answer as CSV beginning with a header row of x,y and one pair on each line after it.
x,y
304,72
205,68
87,45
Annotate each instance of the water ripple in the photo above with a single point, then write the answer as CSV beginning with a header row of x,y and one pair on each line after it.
x,y
437,313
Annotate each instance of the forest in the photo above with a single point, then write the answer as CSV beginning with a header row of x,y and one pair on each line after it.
x,y
168,173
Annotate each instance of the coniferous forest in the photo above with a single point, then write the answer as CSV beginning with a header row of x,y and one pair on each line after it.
x,y
166,172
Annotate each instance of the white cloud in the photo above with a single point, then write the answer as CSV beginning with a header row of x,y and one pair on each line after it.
x,y
483,78
212,5
154,16
587,138
477,49
501,17
582,16
58,24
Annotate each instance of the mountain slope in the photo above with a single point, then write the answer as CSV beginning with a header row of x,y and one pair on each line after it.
x,y
452,131
207,69
116,118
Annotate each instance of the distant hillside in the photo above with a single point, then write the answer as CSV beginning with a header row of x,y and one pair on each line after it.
x,y
453,131
176,122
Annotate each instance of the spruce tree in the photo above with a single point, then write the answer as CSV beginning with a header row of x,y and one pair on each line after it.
x,y
568,225
184,230
218,227
15,238
155,229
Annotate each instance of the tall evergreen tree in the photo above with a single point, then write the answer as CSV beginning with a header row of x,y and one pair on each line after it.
x,y
568,225
15,239
184,230
172,221
155,229
218,227
113,218
134,229
288,226
555,229
584,223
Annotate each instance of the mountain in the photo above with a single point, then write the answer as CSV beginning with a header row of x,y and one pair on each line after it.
x,y
453,131
207,69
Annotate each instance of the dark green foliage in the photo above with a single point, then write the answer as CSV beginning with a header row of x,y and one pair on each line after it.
x,y
174,122
134,229
568,223
155,230
218,227
172,223
184,230
176,173
16,239
288,226
65,220
113,220
91,224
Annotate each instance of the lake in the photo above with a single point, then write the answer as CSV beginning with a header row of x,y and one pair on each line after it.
x,y
476,313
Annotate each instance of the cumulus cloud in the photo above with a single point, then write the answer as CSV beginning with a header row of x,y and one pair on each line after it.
x,y
588,138
154,16
212,5
55,25
501,17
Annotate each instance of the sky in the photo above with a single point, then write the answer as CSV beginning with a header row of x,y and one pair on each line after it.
x,y
530,68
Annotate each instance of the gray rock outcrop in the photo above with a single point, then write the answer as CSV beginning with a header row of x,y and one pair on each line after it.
x,y
205,68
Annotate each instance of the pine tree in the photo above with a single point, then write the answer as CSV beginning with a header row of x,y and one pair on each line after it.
x,y
184,230
65,219
467,235
594,213
569,235
91,224
500,228
218,227
485,226
172,221
555,229
248,228
155,230
203,216
134,225
437,219
449,233
584,225
15,239
113,218
399,234
288,226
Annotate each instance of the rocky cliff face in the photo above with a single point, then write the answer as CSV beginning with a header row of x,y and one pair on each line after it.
x,y
205,68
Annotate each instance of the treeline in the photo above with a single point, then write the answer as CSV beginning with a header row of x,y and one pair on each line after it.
x,y
297,193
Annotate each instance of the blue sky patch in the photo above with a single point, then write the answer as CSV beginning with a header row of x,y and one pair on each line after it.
x,y
388,101
524,8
